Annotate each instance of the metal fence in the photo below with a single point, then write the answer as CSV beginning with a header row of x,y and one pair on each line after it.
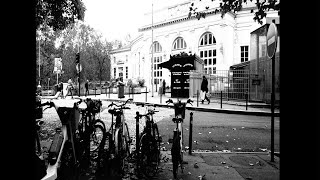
x,y
232,84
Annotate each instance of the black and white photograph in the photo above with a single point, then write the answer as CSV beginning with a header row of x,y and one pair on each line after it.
x,y
157,90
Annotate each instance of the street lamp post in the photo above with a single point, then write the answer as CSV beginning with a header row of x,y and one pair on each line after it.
x,y
39,63
152,81
48,82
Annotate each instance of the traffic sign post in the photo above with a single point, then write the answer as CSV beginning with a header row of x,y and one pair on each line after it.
x,y
78,68
57,67
272,37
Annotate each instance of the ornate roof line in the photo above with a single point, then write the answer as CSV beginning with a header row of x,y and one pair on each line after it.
x,y
128,47
212,12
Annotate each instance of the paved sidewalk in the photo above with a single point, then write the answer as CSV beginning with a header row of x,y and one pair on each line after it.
x,y
210,165
233,166
235,107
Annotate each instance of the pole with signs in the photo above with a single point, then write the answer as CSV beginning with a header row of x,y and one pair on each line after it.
x,y
272,37
78,68
48,83
57,67
152,70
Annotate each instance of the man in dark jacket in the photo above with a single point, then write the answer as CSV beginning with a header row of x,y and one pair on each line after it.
x,y
204,90
164,87
86,85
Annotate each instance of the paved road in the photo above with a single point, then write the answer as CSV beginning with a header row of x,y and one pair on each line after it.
x,y
218,132
221,119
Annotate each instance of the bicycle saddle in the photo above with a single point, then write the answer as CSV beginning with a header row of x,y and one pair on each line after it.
x,y
38,123
177,120
114,111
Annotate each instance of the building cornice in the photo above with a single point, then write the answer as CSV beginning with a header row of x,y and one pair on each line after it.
x,y
127,48
120,50
186,18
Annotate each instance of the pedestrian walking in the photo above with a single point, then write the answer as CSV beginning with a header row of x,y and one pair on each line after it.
x,y
69,88
164,87
204,90
86,85
61,89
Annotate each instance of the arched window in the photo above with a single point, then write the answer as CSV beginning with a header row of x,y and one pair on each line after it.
x,y
207,39
156,47
207,51
179,44
157,59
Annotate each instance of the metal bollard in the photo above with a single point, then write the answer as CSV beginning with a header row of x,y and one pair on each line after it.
x,y
109,92
132,94
137,133
221,100
190,133
160,98
246,100
146,93
197,98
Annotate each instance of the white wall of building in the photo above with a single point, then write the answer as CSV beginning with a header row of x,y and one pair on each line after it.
x,y
230,33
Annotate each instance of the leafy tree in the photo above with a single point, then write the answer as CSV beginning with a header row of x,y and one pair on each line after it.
x,y
58,14
94,53
236,5
45,57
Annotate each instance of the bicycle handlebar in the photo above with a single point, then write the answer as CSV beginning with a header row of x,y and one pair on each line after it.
x,y
48,103
148,113
122,105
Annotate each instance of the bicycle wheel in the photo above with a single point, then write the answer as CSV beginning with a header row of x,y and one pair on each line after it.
x,y
148,158
175,153
156,143
99,121
96,137
82,127
123,149
68,169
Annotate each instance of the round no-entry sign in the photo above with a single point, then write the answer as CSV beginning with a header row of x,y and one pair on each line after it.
x,y
272,37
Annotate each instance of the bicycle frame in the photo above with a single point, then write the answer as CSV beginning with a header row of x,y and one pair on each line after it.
x,y
51,172
148,145
177,158
118,127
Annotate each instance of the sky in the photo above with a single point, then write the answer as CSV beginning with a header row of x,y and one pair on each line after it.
x,y
117,18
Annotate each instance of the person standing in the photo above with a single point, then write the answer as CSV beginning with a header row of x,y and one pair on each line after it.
x,y
61,89
164,87
86,85
69,88
204,90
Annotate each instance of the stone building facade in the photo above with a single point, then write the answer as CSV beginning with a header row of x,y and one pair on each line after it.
x,y
220,42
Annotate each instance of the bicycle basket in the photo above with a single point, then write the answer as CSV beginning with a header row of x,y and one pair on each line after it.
x,y
67,114
94,106
180,109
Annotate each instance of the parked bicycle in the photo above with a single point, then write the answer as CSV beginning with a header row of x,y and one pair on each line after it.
x,y
62,160
149,145
177,140
90,131
118,135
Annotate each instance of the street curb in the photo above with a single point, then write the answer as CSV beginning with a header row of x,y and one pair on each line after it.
x,y
226,111
221,152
